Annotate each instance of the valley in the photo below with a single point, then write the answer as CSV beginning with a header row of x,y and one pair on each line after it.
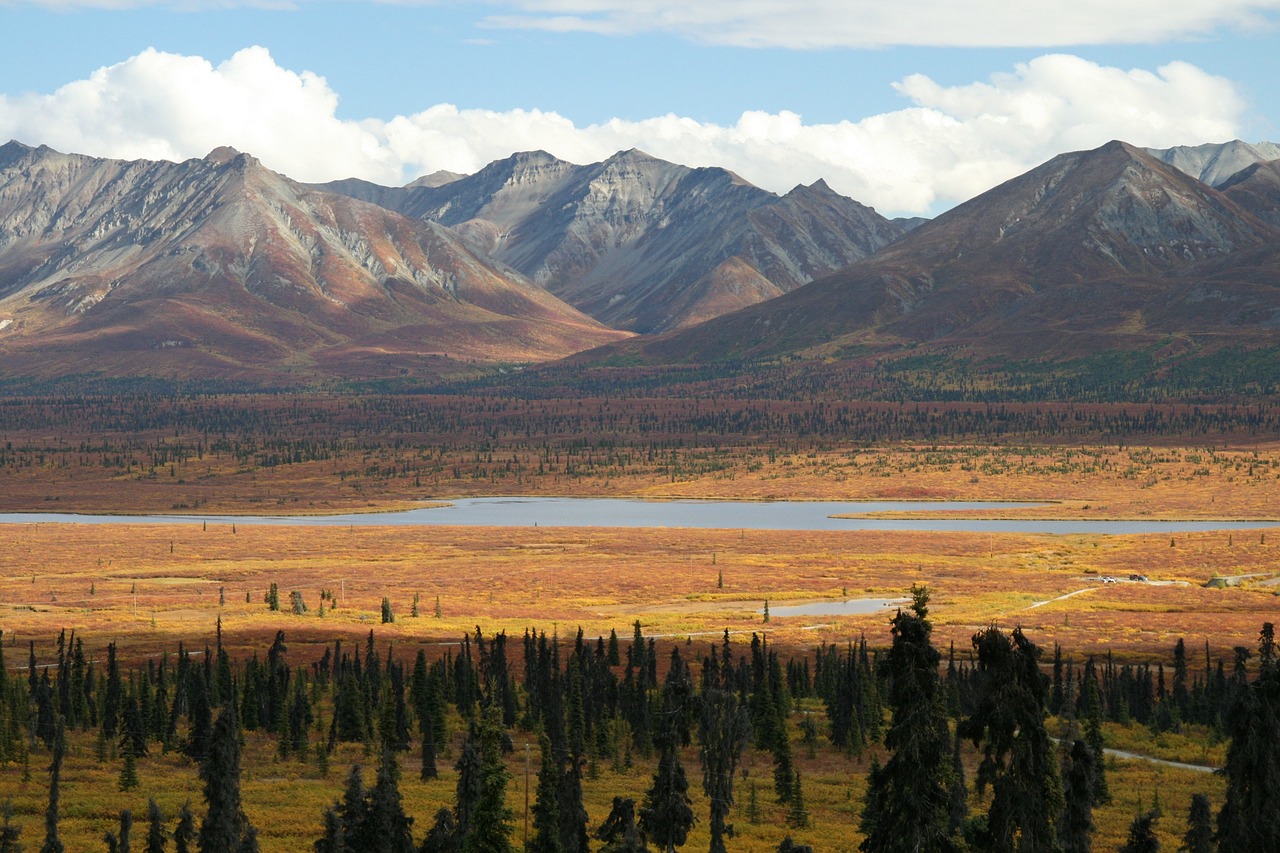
x,y
1091,341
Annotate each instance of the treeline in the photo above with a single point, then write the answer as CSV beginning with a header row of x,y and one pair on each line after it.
x,y
1230,374
113,430
588,703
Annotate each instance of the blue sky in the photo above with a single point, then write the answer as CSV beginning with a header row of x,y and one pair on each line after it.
x,y
911,106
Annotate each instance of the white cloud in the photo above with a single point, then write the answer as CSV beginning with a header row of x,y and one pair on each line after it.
x,y
950,144
808,24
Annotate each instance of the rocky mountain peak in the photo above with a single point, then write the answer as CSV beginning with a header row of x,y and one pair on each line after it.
x,y
225,155
12,151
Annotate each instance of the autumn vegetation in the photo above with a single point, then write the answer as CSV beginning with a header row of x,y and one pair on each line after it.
x,y
281,599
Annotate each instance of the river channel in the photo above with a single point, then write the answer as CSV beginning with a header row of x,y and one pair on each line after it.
x,y
630,512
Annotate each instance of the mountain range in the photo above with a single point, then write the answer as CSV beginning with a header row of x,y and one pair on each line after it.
x,y
218,268
221,268
642,244
1095,251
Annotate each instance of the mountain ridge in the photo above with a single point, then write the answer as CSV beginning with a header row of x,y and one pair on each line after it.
x,y
1088,251
641,243
219,264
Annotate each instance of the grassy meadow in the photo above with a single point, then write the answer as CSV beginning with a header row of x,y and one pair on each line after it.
x,y
147,587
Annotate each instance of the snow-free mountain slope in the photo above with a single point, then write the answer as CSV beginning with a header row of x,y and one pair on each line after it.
x,y
1092,250
643,244
1214,164
1257,189
220,267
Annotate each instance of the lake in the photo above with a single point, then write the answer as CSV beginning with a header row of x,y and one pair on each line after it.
x,y
631,512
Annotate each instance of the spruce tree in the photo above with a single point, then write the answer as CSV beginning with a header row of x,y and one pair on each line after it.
x,y
1199,837
1142,836
126,831
334,839
572,812
184,833
798,814
156,835
724,729
546,804
1017,756
789,846
1075,830
443,835
387,828
489,829
51,842
225,828
427,730
10,832
1249,819
908,799
667,815
619,832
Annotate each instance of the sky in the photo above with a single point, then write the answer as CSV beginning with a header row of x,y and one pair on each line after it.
x,y
911,106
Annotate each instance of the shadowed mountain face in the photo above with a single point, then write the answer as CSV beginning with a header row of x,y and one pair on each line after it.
x,y
1096,250
1257,189
220,267
1215,164
642,244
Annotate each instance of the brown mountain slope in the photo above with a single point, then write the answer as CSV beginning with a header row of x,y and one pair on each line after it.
x,y
1104,249
220,268
1257,189
643,244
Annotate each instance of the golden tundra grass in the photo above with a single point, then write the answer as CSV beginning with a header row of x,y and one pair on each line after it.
x,y
149,586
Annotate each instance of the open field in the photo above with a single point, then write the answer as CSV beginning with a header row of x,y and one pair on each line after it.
x,y
149,586
148,583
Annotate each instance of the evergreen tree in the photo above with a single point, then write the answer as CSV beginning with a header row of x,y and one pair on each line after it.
x,y
470,767
184,834
489,829
351,812
443,835
225,828
334,839
1075,830
10,832
958,804
797,815
1199,837
157,838
546,805
51,842
1091,697
387,829
427,731
572,812
126,831
1249,819
128,772
1142,836
789,846
724,728
667,816
619,831
908,799
1017,755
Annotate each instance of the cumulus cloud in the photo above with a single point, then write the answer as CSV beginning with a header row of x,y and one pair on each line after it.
x,y
949,144
841,23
